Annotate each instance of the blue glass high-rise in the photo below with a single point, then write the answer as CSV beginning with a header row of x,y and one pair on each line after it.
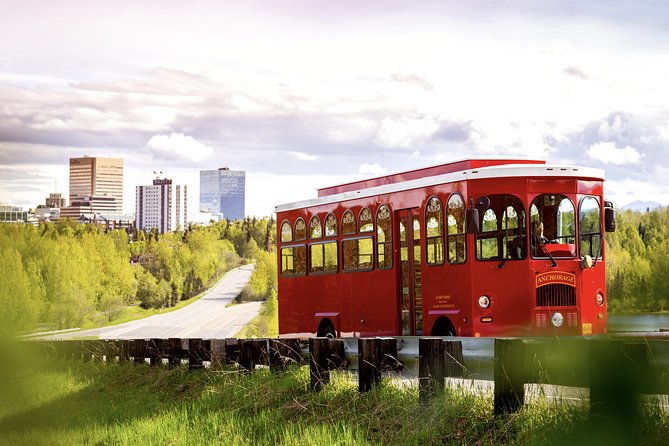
x,y
223,193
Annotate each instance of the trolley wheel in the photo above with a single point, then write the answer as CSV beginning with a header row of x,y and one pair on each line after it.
x,y
326,329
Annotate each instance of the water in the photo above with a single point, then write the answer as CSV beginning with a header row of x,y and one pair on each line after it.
x,y
638,322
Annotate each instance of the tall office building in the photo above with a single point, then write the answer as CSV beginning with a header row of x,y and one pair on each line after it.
x,y
222,192
96,184
162,205
55,200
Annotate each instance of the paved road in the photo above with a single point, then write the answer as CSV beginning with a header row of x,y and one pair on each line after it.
x,y
208,317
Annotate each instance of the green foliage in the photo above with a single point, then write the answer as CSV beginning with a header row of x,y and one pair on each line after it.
x,y
65,274
263,281
637,272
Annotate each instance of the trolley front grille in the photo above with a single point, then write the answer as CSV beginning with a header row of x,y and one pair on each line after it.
x,y
556,295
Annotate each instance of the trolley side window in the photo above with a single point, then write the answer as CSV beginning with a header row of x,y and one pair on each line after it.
x,y
384,238
358,254
323,257
434,227
456,230
294,261
590,227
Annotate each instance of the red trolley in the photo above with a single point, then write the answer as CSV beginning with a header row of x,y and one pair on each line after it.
x,y
479,247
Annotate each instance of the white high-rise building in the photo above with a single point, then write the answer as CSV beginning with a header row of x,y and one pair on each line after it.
x,y
162,205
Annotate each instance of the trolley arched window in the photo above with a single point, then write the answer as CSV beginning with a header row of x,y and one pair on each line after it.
x,y
300,229
434,228
503,230
348,223
330,226
365,223
315,228
456,230
384,238
590,227
553,226
286,232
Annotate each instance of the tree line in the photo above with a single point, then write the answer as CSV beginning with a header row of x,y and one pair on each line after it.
x,y
65,274
637,268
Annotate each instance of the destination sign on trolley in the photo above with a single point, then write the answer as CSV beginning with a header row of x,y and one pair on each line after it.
x,y
552,277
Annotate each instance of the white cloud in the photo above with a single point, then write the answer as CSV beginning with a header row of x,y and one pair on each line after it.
x,y
607,153
405,131
178,147
372,169
301,156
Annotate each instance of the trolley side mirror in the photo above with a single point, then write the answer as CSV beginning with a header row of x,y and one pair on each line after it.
x,y
472,221
609,217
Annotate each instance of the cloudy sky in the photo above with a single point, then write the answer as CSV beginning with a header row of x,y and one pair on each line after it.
x,y
304,93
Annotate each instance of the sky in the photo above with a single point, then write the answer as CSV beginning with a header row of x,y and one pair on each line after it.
x,y
303,94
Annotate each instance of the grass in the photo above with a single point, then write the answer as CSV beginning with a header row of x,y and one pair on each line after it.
x,y
55,402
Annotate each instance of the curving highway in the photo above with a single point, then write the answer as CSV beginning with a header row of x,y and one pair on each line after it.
x,y
208,317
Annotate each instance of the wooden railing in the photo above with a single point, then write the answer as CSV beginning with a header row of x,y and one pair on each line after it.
x,y
614,370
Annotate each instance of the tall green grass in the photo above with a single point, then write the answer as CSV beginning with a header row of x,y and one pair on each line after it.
x,y
49,402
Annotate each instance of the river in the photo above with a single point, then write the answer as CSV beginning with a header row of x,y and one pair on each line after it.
x,y
638,322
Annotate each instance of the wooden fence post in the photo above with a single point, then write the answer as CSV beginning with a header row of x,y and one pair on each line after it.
x,y
455,362
319,349
387,351
252,352
618,372
510,375
217,353
124,350
337,357
139,352
155,351
111,351
195,354
283,352
369,364
231,350
174,351
431,368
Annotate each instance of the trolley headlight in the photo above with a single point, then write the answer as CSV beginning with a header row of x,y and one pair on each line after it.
x,y
586,262
484,302
557,320
600,299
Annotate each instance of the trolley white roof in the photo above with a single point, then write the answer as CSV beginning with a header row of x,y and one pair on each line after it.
x,y
502,171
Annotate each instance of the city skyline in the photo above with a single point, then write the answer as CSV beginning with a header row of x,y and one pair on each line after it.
x,y
306,94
